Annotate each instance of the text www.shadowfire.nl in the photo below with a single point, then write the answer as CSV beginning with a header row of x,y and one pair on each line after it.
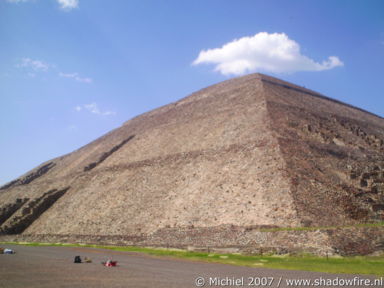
x,y
280,282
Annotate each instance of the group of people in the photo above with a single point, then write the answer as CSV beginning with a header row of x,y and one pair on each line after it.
x,y
108,263
78,260
6,251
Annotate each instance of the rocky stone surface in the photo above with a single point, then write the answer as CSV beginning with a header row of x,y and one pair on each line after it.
x,y
235,239
9,209
28,212
253,151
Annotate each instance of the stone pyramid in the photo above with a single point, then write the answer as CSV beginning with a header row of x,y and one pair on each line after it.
x,y
250,163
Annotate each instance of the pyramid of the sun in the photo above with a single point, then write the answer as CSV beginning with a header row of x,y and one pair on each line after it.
x,y
246,153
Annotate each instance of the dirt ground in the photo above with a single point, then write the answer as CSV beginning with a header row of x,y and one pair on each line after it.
x,y
53,267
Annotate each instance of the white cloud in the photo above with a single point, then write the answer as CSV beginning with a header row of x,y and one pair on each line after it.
x,y
35,65
68,4
76,77
65,5
17,1
274,53
94,109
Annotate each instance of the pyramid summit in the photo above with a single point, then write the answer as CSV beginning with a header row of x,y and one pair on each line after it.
x,y
250,163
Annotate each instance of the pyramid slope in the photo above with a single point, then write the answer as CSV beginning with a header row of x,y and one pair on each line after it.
x,y
335,157
198,162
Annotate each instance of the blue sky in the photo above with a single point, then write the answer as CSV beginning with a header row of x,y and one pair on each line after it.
x,y
71,70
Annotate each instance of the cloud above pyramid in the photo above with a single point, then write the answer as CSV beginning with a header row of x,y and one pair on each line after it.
x,y
263,52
